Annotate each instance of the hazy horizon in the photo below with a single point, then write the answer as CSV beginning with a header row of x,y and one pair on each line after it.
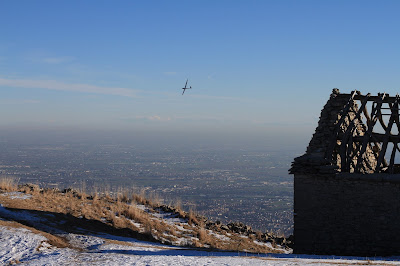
x,y
279,140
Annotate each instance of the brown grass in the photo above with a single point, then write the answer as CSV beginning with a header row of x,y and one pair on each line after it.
x,y
123,196
119,212
203,235
9,183
134,213
177,203
192,218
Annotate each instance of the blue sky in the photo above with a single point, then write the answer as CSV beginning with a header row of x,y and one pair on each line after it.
x,y
256,67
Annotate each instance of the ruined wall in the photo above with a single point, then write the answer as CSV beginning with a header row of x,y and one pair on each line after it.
x,y
315,160
344,213
347,214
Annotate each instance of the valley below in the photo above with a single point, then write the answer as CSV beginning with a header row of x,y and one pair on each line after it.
x,y
250,185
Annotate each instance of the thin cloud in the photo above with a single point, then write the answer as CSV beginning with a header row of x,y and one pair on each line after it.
x,y
147,118
58,60
170,73
228,98
60,86
14,101
154,118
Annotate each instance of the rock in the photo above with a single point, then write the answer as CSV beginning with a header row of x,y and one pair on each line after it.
x,y
225,228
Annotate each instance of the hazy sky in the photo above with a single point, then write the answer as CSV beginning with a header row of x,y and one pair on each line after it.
x,y
255,66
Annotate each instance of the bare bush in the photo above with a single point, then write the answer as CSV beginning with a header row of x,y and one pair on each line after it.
x,y
203,236
9,183
133,213
192,218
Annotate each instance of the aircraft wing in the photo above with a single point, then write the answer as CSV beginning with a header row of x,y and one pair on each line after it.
x,y
186,82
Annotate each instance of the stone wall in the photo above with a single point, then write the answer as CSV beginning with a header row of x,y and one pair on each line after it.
x,y
315,160
347,214
344,213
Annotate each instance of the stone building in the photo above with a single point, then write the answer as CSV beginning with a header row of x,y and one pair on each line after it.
x,y
347,184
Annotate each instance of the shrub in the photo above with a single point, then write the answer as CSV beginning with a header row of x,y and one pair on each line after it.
x,y
9,183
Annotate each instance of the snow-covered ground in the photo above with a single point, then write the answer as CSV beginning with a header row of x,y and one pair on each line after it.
x,y
19,245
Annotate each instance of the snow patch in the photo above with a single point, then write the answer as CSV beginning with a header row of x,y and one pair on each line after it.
x,y
17,244
22,245
16,195
18,215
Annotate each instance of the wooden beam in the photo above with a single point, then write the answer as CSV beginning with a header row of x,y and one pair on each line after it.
x,y
376,137
379,114
368,134
388,99
349,154
331,147
345,166
391,164
384,145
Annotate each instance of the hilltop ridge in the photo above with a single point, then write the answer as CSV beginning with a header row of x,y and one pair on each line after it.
x,y
70,211
46,226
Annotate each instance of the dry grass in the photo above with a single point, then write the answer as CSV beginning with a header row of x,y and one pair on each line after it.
x,y
134,213
123,196
9,183
121,212
117,212
140,198
203,235
192,218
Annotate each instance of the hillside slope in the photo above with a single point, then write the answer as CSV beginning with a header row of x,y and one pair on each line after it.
x,y
41,227
58,212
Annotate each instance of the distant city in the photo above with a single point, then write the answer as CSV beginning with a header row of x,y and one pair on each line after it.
x,y
250,185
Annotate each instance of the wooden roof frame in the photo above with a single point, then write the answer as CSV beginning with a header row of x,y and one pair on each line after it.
x,y
351,147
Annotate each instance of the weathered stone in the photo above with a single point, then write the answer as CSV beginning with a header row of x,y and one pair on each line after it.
x,y
224,227
354,212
